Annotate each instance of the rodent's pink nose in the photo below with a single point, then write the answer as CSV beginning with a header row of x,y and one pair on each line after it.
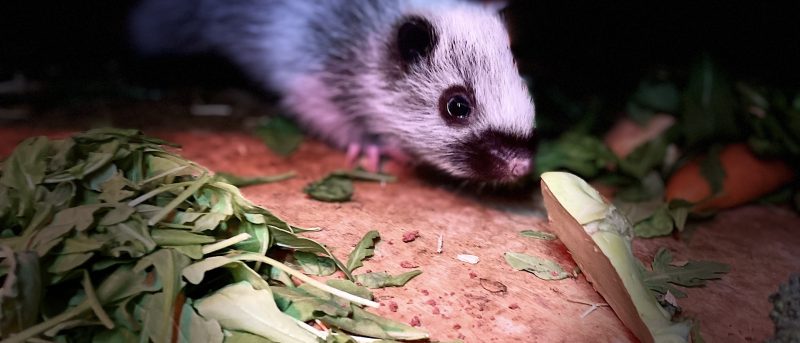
x,y
519,166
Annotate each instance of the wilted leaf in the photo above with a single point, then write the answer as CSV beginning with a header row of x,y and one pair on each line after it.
x,y
364,249
315,265
546,236
281,135
240,181
350,287
331,189
543,268
691,274
660,223
193,328
302,305
166,237
384,279
367,324
245,337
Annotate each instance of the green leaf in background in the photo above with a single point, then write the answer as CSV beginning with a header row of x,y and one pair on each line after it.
x,y
543,268
241,181
691,274
384,279
545,236
194,328
314,264
709,105
367,324
655,94
281,135
712,170
581,153
332,188
241,307
660,223
645,158
365,248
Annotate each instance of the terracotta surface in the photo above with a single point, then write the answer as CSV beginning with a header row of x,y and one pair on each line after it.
x,y
489,302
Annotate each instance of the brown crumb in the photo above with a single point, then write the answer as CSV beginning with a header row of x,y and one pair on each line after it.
x,y
415,321
473,275
435,310
425,292
431,302
410,236
457,327
513,306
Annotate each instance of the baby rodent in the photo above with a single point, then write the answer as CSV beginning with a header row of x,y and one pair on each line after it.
x,y
435,79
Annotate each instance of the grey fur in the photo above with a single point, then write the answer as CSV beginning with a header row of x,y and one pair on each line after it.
x,y
334,63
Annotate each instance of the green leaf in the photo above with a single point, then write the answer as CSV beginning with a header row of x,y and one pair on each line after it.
x,y
364,249
581,153
384,279
21,292
692,274
545,236
194,328
543,268
712,170
291,241
363,175
645,158
76,245
654,94
118,214
113,190
259,240
240,181
331,189
68,262
166,237
302,303
168,264
281,135
350,287
367,324
26,166
124,283
241,307
658,224
708,105
314,264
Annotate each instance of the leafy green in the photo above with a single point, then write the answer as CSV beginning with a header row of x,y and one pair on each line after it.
x,y
384,279
543,268
584,154
241,307
106,227
709,105
280,134
545,236
712,170
692,274
365,248
338,186
365,323
240,181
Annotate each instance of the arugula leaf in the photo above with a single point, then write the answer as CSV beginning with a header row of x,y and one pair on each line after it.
x,y
543,268
241,307
384,279
315,265
240,181
281,135
581,153
693,274
365,248
365,323
545,236
332,188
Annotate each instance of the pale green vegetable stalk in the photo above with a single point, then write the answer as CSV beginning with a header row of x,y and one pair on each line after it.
x,y
612,233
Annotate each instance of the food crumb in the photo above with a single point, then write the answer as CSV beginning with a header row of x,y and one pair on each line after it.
x,y
457,327
473,275
513,306
393,306
415,321
431,302
435,310
410,236
425,292
408,264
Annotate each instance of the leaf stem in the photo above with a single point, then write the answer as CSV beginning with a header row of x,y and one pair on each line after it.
x,y
37,329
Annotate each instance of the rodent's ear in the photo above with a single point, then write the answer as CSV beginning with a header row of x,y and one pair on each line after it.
x,y
416,39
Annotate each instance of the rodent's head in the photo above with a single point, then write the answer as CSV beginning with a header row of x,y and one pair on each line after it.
x,y
457,100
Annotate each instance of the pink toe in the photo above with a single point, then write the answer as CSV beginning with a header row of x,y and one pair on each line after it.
x,y
373,164
353,153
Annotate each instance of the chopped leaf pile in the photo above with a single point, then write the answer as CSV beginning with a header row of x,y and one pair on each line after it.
x,y
107,236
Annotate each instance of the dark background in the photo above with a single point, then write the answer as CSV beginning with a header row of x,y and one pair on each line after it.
x,y
580,48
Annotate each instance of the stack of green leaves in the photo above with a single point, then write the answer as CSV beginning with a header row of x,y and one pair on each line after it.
x,y
107,236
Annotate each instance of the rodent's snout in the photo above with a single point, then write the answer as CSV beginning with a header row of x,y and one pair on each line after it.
x,y
496,156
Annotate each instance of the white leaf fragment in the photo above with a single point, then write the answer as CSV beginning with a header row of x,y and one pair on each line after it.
x,y
471,259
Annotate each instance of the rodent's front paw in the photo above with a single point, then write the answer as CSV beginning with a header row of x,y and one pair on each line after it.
x,y
369,156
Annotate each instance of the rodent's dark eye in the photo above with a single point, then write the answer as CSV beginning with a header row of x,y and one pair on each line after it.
x,y
458,106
